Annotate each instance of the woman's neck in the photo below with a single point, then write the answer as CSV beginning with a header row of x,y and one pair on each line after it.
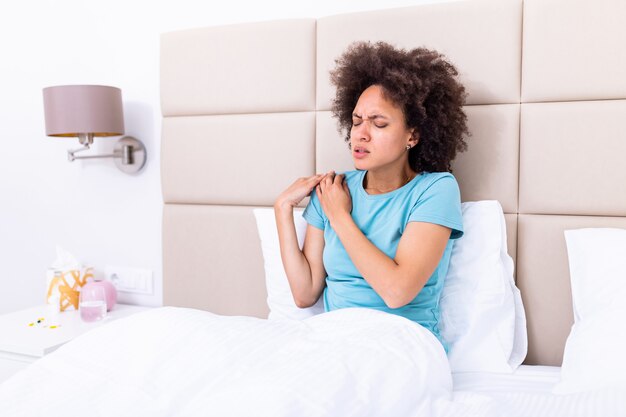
x,y
385,182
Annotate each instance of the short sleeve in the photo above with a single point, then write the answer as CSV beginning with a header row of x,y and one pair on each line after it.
x,y
440,204
313,213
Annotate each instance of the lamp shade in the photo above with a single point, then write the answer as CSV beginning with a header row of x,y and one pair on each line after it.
x,y
71,110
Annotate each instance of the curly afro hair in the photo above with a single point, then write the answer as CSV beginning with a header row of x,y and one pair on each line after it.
x,y
422,83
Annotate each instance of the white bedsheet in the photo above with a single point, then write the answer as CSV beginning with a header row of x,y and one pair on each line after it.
x,y
183,362
353,362
525,379
528,393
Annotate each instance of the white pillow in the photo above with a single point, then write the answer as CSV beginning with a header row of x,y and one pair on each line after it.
x,y
595,351
279,297
482,316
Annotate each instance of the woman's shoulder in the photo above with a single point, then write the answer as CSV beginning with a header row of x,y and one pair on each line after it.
x,y
434,176
439,179
436,183
353,176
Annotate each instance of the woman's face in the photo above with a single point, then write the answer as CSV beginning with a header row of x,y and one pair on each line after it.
x,y
379,135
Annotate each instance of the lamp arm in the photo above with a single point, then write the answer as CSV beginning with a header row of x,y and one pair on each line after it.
x,y
124,151
129,154
71,154
109,155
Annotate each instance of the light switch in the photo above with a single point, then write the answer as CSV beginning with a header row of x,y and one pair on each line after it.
x,y
130,279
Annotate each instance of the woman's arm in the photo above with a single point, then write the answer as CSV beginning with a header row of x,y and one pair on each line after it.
x,y
398,280
304,268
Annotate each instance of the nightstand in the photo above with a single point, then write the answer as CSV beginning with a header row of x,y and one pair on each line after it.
x,y
23,340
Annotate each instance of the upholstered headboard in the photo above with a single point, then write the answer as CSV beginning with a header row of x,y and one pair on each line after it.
x,y
246,111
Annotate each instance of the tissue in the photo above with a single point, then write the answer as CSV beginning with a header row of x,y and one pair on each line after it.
x,y
64,279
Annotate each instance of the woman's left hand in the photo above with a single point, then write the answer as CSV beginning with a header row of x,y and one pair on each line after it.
x,y
334,196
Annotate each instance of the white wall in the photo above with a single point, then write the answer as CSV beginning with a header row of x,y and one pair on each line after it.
x,y
89,207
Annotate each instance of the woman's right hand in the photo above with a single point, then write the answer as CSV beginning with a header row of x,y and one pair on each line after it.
x,y
296,192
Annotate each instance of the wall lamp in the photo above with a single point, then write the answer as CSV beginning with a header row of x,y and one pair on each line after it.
x,y
88,111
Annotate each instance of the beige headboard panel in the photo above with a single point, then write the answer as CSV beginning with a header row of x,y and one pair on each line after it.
x,y
246,111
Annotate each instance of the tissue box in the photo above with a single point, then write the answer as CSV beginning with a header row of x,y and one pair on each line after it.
x,y
64,286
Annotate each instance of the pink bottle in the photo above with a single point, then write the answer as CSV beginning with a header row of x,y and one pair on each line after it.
x,y
109,291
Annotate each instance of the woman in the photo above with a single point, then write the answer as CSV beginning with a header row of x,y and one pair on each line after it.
x,y
381,236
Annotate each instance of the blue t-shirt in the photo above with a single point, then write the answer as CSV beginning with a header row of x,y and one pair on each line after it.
x,y
432,197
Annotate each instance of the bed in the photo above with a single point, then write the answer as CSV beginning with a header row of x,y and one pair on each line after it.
x,y
246,109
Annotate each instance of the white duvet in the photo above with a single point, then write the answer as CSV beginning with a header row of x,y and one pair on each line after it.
x,y
184,362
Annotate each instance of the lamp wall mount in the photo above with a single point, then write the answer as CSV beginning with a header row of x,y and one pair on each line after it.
x,y
129,153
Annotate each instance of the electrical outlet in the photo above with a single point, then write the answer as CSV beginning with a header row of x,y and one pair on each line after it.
x,y
129,279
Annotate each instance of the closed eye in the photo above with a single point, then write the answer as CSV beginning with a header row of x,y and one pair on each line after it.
x,y
357,120
380,126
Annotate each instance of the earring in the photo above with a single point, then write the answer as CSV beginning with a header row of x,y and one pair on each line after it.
x,y
408,147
